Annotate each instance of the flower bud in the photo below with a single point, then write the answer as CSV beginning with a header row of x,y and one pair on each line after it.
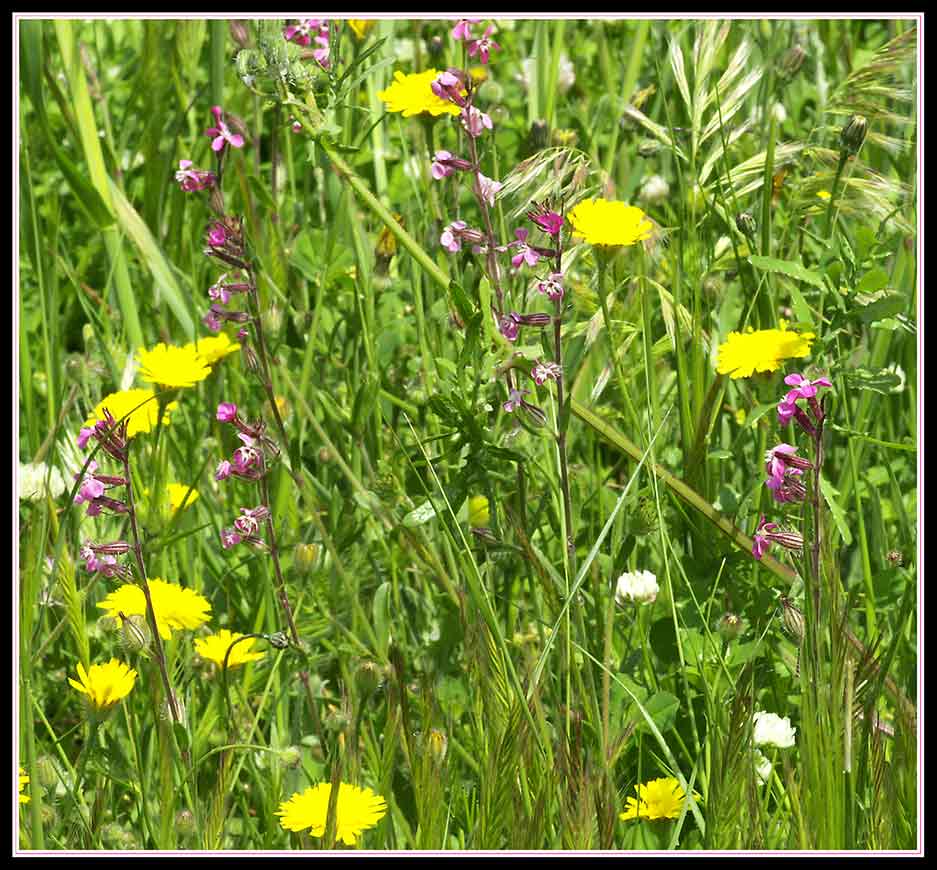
x,y
793,619
135,633
746,224
895,558
730,626
291,756
648,147
185,822
46,772
853,134
367,678
791,63
305,556
437,745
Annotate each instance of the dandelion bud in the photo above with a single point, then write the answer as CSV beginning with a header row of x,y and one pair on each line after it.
x,y
437,744
46,773
291,756
305,556
185,822
367,678
746,224
648,147
730,626
135,633
337,720
106,624
791,63
853,134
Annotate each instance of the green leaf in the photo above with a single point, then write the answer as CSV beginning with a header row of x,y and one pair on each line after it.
x,y
830,495
787,267
419,515
662,709
873,280
878,306
882,381
380,611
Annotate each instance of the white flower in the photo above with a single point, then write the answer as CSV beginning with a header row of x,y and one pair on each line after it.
x,y
565,75
654,189
639,587
762,767
896,369
32,481
772,730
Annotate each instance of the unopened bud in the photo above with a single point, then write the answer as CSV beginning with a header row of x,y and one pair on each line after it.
x,y
291,756
793,619
305,556
45,771
730,626
648,147
135,633
239,33
895,558
367,677
792,61
853,134
746,224
185,822
437,744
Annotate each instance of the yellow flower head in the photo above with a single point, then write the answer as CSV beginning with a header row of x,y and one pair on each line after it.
x,y
106,684
24,781
604,222
824,194
478,513
213,347
357,810
171,366
215,647
744,353
361,26
174,606
658,799
412,95
178,492
142,406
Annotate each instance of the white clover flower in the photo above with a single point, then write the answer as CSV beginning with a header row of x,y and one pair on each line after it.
x,y
654,189
772,730
639,587
31,479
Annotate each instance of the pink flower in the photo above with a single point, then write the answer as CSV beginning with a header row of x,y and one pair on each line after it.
x,y
193,179
515,400
483,46
229,538
770,533
803,389
451,239
525,254
550,222
223,472
84,435
441,168
217,235
221,135
249,522
321,54
461,30
448,86
475,121
508,326
227,412
246,456
552,287
488,189
301,33
546,371
90,488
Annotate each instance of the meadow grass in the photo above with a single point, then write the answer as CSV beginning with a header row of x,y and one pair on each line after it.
x,y
447,609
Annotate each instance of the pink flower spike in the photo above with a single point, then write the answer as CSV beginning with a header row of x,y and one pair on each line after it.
x,y
227,412
551,223
84,435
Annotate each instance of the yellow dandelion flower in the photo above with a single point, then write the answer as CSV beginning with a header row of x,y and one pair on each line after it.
x,y
179,492
24,781
140,404
213,347
175,606
657,799
361,26
609,223
215,647
824,194
357,809
479,514
412,95
171,366
478,73
744,353
105,685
